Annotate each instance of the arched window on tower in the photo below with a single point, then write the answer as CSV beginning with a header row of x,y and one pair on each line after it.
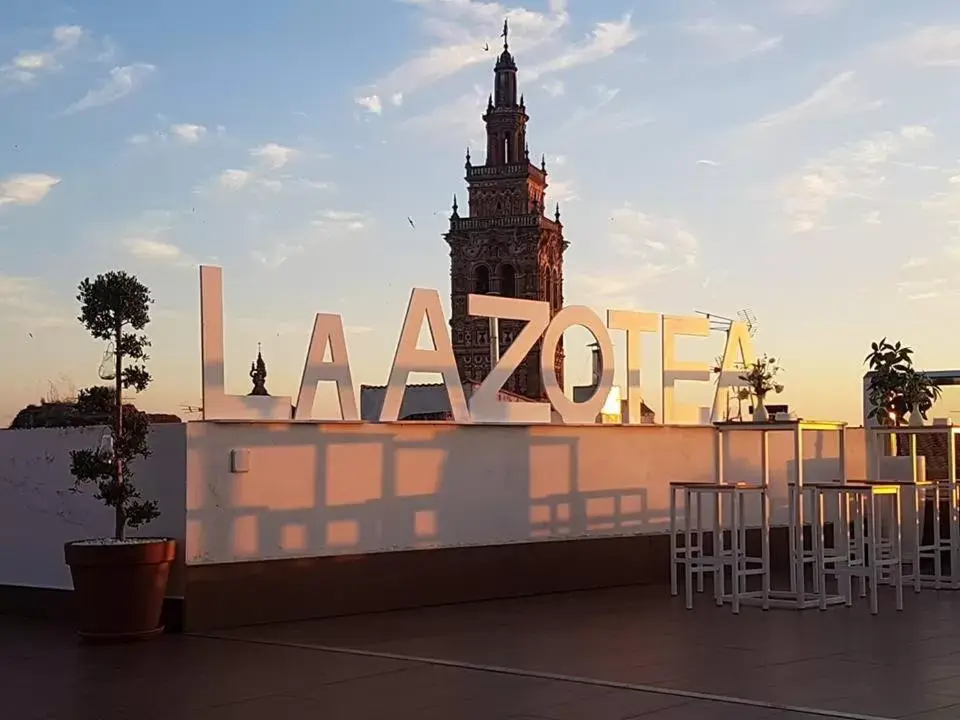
x,y
481,280
508,281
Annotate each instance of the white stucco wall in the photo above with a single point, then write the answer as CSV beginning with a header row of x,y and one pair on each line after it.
x,y
331,489
39,513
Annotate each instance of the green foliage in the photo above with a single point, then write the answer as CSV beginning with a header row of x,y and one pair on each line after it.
x,y
114,307
96,400
896,387
761,377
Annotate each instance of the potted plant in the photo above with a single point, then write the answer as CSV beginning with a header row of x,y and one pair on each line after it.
x,y
896,388
760,379
920,392
119,581
888,364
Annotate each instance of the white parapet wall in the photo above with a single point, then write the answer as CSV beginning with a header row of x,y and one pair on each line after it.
x,y
39,512
286,490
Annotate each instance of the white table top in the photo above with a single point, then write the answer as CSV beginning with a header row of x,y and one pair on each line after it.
x,y
781,425
917,430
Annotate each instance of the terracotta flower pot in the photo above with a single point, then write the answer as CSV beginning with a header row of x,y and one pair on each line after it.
x,y
118,587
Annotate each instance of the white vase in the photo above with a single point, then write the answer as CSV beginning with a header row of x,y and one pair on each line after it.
x,y
760,411
916,419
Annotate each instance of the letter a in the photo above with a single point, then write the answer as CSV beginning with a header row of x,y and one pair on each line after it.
x,y
424,304
327,332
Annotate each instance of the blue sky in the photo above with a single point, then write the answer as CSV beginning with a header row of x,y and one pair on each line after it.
x,y
798,157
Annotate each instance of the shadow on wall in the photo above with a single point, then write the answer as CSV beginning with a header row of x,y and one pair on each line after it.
x,y
39,512
351,488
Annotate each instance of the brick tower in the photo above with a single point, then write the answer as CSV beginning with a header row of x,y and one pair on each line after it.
x,y
506,245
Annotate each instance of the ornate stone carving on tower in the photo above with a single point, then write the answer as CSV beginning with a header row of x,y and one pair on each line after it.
x,y
506,245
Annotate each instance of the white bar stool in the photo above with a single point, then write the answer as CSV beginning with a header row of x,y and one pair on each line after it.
x,y
693,556
693,547
871,554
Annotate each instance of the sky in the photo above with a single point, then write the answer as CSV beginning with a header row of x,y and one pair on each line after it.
x,y
799,158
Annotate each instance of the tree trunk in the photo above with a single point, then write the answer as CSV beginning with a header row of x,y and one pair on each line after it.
x,y
120,522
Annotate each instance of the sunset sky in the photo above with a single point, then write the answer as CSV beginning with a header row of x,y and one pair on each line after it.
x,y
800,158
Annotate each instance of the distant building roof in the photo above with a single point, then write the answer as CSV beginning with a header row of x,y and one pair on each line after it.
x,y
426,401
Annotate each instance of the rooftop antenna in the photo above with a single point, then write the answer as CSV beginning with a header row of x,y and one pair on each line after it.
x,y
747,317
718,323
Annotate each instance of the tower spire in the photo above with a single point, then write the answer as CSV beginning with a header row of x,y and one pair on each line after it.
x,y
505,34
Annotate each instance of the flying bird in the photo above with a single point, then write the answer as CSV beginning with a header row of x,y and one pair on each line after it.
x,y
486,47
412,224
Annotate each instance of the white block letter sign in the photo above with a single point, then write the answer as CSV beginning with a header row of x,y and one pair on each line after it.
x,y
484,405
737,355
675,371
217,405
634,323
586,412
327,332
424,304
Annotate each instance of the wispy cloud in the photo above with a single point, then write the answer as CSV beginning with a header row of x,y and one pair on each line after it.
x,y
147,239
371,103
189,133
733,41
838,96
334,221
649,248
27,66
459,31
931,46
460,116
122,81
926,288
554,88
25,302
151,249
268,159
328,225
26,188
606,39
182,133
277,254
853,171
234,179
601,115
561,191
809,7
273,155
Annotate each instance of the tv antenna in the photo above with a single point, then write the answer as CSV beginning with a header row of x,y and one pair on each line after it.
x,y
191,409
721,323
718,323
747,317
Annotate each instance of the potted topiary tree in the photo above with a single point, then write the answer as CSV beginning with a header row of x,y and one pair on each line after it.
x,y
119,581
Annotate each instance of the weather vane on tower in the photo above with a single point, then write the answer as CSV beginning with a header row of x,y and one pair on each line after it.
x,y
506,31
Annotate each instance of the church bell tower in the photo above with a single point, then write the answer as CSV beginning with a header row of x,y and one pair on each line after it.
x,y
505,245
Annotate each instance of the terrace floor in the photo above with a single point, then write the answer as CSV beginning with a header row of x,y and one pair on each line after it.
x,y
600,655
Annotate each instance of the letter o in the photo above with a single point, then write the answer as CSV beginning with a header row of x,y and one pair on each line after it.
x,y
585,412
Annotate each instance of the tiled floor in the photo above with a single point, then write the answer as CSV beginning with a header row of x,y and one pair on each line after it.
x,y
605,655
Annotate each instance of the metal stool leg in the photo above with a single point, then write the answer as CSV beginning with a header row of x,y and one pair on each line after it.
x,y
674,581
873,539
687,538
898,548
699,541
